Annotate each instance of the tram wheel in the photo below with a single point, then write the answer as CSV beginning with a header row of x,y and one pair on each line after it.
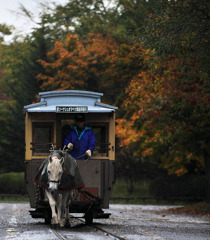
x,y
48,216
89,218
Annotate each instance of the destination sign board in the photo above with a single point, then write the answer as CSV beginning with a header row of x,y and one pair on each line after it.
x,y
71,109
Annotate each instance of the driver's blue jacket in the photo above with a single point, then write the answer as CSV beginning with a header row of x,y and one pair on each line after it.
x,y
82,142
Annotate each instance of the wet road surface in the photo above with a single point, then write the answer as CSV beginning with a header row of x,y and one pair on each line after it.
x,y
126,222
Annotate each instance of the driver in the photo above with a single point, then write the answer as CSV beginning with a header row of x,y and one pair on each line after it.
x,y
81,139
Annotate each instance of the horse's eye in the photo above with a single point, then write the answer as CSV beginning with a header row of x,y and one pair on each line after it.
x,y
48,172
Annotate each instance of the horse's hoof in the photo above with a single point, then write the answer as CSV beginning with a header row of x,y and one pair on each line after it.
x,y
61,223
54,221
54,225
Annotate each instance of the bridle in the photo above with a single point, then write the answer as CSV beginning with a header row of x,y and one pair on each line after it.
x,y
54,181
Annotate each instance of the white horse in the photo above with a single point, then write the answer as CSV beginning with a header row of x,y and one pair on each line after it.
x,y
58,199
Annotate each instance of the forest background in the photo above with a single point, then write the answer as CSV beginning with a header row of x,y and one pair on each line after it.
x,y
149,58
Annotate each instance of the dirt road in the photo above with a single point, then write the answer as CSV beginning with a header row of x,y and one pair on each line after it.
x,y
126,222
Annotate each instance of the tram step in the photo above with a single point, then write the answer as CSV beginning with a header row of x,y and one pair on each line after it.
x,y
101,215
36,214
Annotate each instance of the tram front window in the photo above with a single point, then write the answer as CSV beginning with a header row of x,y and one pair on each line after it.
x,y
42,138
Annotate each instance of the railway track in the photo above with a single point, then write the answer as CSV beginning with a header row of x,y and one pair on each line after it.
x,y
65,234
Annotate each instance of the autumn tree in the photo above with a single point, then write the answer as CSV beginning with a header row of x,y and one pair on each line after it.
x,y
76,63
166,116
95,63
121,66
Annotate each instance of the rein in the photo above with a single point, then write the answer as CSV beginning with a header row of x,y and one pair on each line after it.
x,y
77,158
82,156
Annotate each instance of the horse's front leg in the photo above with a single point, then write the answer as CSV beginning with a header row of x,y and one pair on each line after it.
x,y
64,217
60,209
67,218
52,202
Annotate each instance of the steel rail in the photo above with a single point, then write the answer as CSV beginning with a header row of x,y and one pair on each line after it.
x,y
101,229
60,237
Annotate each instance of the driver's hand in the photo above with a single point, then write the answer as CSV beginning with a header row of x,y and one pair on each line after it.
x,y
88,152
70,146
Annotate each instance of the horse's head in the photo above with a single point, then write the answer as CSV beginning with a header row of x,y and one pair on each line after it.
x,y
55,171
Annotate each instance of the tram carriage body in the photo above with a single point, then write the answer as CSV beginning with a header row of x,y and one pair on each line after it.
x,y
44,125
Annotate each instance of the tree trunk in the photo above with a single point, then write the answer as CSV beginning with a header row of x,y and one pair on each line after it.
x,y
207,169
130,185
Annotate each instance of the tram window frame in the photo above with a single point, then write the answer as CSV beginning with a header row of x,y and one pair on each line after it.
x,y
42,125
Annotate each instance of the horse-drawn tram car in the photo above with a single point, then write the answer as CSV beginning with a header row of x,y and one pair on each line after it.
x,y
46,125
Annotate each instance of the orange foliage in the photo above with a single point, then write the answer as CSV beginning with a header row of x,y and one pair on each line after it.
x,y
163,103
126,133
76,63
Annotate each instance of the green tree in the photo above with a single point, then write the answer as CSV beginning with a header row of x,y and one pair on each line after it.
x,y
15,66
180,27
5,30
84,17
19,86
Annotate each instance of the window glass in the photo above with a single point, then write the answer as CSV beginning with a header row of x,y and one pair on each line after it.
x,y
102,144
66,126
42,138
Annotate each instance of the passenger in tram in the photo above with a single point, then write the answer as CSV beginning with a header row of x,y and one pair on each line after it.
x,y
80,140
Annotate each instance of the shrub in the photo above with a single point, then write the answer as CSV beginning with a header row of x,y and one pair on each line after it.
x,y
12,183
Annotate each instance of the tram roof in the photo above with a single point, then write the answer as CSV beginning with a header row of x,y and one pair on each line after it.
x,y
70,101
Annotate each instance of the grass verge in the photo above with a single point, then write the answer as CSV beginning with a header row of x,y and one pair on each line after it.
x,y
14,199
